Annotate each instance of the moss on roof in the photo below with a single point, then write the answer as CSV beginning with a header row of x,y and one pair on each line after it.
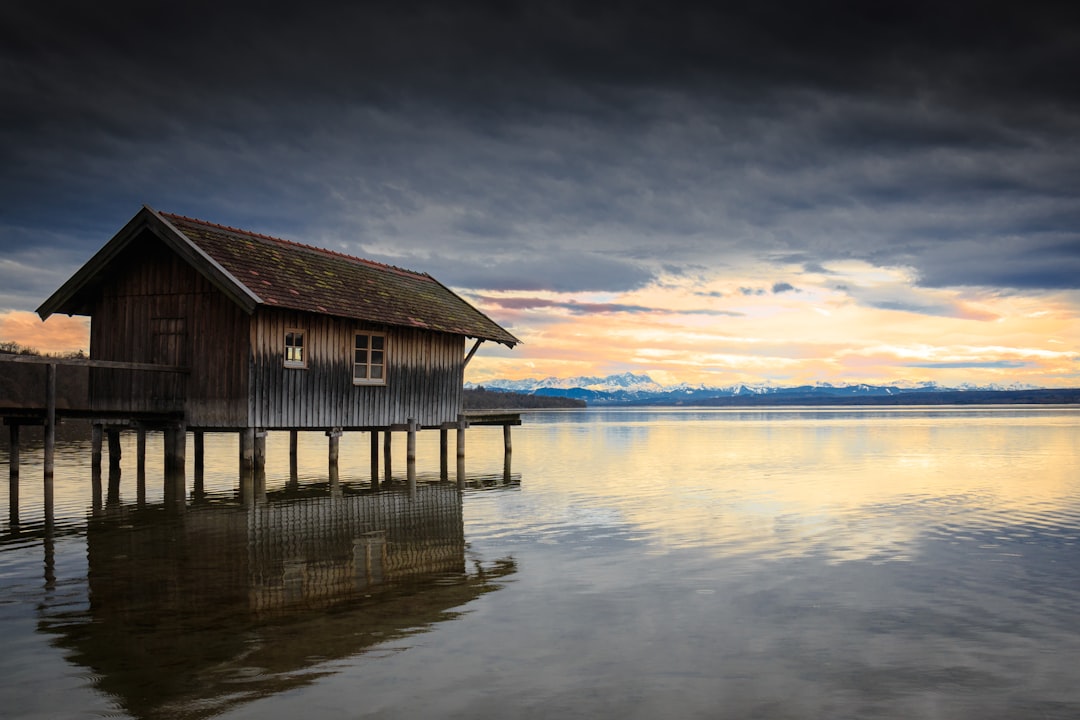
x,y
286,274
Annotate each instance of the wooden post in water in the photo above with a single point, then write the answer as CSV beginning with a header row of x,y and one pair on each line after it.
x,y
50,439
444,473
96,433
140,467
247,465
258,451
388,438
462,423
294,472
114,448
374,459
334,446
199,489
175,465
508,451
258,463
113,493
410,456
333,453
13,475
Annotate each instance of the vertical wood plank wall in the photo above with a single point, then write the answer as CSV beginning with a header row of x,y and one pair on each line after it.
x,y
157,309
424,375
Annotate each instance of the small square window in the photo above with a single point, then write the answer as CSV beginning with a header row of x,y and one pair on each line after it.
x,y
369,359
295,356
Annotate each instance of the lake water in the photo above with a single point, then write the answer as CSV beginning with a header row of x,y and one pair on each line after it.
x,y
802,563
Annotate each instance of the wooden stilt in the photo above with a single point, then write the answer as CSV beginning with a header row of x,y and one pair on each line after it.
x,y
444,473
175,466
387,443
112,496
247,465
13,452
13,475
140,467
199,489
508,452
333,453
140,453
334,481
410,456
96,434
374,459
114,447
333,446
50,439
294,472
462,423
258,451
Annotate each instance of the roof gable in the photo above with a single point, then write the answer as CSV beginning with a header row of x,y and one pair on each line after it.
x,y
256,270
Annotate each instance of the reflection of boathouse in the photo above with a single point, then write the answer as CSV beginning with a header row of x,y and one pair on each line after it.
x,y
307,553
196,611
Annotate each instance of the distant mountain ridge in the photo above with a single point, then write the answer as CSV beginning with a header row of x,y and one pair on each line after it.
x,y
640,389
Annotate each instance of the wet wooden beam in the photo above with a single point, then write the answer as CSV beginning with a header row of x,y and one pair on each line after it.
x,y
387,446
444,473
199,439
410,456
247,465
333,446
374,459
294,472
462,424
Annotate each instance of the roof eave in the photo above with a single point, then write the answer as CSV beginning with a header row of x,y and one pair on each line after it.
x,y
63,300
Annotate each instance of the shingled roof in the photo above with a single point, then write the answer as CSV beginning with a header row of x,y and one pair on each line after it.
x,y
259,270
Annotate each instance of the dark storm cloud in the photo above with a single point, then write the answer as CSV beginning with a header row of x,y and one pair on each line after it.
x,y
588,308
557,145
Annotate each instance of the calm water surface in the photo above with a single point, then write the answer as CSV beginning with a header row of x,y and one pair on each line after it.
x,y
804,563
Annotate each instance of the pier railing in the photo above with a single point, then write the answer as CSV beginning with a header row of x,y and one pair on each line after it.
x,y
84,387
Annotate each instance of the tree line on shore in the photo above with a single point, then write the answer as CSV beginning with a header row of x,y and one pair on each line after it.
x,y
479,398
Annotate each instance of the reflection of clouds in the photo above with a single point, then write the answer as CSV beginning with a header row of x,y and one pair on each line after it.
x,y
838,484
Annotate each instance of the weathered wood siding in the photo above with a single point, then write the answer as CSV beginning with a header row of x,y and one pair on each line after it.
x,y
424,375
156,308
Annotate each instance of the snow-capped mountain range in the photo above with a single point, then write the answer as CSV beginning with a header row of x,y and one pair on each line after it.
x,y
630,388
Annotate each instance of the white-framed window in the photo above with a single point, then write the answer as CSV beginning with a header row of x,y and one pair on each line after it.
x,y
295,354
369,359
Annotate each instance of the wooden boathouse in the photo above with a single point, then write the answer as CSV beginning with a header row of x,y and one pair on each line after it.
x,y
200,327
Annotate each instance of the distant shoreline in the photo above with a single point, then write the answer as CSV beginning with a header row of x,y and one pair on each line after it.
x,y
1068,396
